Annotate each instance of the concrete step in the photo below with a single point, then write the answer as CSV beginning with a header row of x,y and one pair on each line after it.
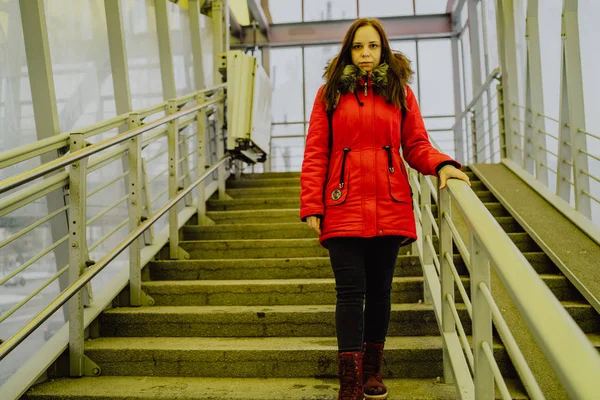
x,y
266,248
300,291
521,239
289,230
193,388
496,209
263,182
269,203
509,224
271,175
485,195
295,268
265,292
258,321
255,216
286,230
254,193
263,268
273,357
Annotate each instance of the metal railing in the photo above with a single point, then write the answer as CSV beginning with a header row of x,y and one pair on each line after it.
x,y
554,160
186,173
474,368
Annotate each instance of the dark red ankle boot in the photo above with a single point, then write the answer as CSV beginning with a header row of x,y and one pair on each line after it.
x,y
350,375
373,386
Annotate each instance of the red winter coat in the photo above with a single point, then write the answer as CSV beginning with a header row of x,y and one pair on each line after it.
x,y
362,189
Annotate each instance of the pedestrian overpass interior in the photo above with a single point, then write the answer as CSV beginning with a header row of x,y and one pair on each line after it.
x,y
149,190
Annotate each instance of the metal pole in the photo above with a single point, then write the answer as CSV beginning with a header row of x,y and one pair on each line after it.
x,y
458,127
505,24
135,215
482,321
173,151
475,50
446,277
77,254
572,117
426,233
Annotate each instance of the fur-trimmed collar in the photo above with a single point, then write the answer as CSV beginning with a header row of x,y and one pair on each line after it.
x,y
353,74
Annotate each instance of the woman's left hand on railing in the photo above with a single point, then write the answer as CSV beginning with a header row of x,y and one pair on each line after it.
x,y
451,172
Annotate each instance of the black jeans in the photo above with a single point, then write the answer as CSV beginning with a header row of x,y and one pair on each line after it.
x,y
363,269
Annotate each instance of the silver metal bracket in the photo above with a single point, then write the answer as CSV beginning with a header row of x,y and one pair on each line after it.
x,y
90,368
182,254
147,301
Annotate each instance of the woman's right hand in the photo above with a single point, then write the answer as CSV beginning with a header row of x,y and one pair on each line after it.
x,y
314,223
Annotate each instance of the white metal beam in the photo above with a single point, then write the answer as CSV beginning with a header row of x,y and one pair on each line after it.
x,y
259,16
476,56
330,32
572,143
536,158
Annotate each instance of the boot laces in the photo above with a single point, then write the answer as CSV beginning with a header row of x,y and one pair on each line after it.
x,y
349,379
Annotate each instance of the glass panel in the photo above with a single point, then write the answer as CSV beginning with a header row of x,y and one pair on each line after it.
x,y
78,43
385,8
437,89
431,6
17,125
319,10
283,11
287,154
142,54
444,139
286,78
316,58
287,130
181,42
489,28
409,49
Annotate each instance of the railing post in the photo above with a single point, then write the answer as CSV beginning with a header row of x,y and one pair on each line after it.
x,y
173,151
149,234
474,143
412,174
200,167
482,321
446,276
427,257
220,132
501,120
77,253
135,213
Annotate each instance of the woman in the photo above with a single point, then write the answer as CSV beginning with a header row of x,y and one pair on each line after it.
x,y
355,192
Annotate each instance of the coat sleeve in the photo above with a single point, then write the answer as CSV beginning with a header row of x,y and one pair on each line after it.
x,y
316,160
416,147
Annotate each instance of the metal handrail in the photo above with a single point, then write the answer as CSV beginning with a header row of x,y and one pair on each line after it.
x,y
64,161
495,74
11,343
578,370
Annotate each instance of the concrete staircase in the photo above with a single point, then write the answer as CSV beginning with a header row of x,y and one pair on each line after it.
x,y
251,314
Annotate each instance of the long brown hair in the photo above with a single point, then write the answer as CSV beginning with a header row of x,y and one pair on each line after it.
x,y
399,71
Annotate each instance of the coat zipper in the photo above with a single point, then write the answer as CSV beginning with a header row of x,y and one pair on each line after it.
x,y
390,163
366,85
346,151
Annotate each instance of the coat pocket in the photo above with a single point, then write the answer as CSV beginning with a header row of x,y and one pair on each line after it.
x,y
398,181
336,189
